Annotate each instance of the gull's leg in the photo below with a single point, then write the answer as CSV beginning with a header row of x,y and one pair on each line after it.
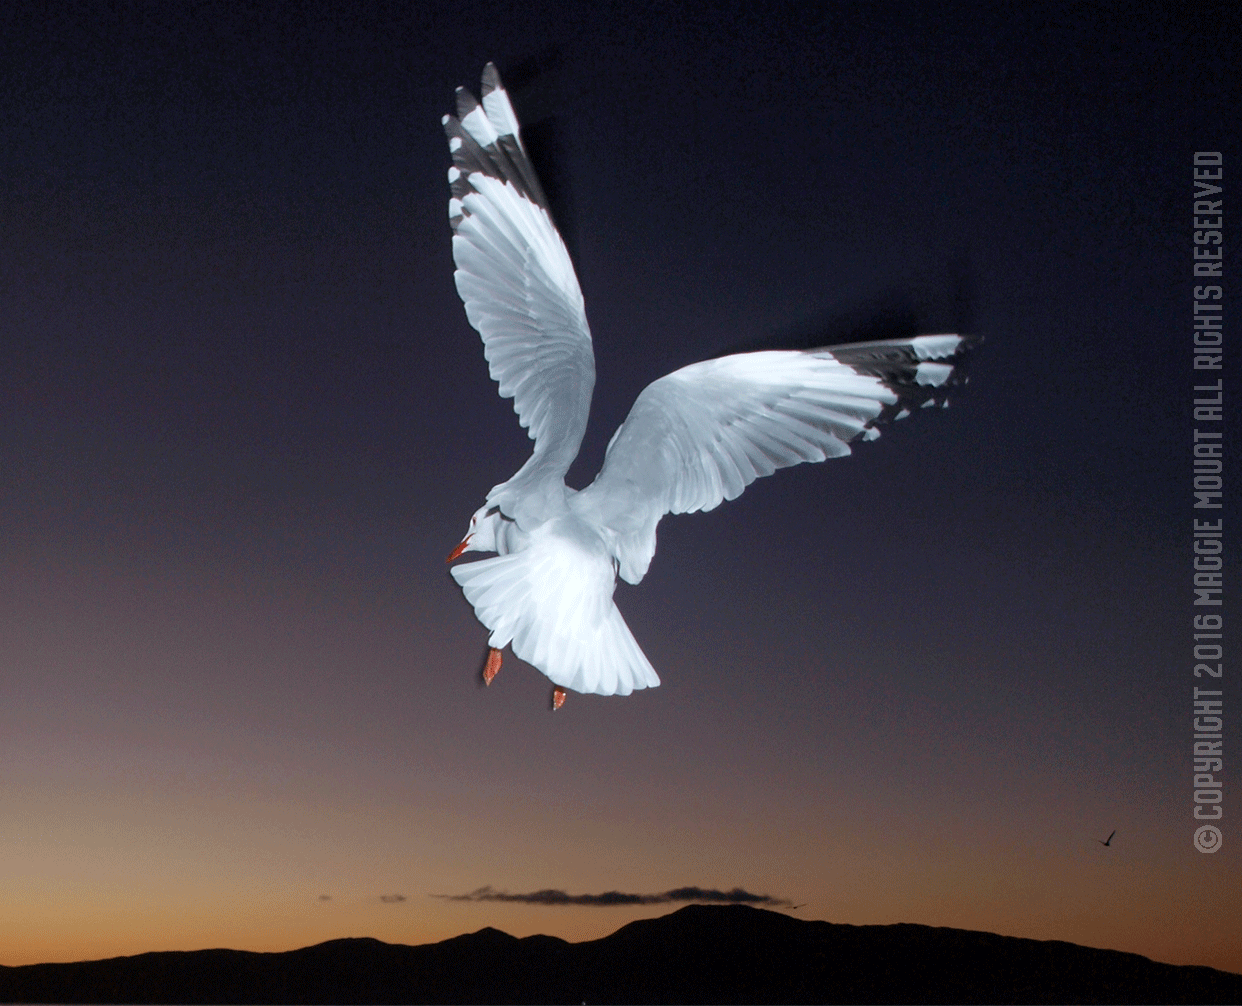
x,y
558,697
492,666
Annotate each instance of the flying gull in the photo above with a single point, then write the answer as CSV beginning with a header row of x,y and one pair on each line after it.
x,y
693,438
1109,841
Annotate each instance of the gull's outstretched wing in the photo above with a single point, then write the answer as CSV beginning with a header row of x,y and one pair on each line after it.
x,y
518,284
703,433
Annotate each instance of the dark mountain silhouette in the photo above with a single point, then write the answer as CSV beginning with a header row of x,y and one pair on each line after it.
x,y
700,954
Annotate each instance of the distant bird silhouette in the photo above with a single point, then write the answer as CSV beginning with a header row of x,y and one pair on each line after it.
x,y
1107,841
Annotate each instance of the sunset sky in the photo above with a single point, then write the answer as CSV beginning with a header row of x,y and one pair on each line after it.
x,y
243,419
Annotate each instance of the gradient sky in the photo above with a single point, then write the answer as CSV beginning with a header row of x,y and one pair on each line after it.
x,y
243,419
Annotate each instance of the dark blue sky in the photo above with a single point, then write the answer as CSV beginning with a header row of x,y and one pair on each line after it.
x,y
243,419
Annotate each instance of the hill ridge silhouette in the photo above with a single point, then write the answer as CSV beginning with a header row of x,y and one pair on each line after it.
x,y
699,954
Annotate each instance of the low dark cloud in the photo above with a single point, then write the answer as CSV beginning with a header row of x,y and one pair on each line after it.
x,y
737,896
392,899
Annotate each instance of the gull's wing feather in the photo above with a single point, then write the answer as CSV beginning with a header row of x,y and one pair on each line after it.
x,y
703,433
518,284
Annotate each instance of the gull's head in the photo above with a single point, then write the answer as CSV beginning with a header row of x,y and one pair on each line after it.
x,y
481,536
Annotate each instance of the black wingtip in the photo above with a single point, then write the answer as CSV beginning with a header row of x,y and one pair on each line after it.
x,y
491,80
466,102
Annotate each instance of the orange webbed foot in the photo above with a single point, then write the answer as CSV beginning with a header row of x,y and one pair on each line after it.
x,y
558,697
492,667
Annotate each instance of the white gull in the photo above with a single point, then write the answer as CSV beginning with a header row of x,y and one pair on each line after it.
x,y
693,438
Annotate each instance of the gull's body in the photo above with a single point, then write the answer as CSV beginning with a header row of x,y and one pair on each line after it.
x,y
693,438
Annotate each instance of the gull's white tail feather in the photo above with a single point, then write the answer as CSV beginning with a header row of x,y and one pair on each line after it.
x,y
553,602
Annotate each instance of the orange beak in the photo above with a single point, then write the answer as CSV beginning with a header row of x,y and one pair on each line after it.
x,y
459,549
